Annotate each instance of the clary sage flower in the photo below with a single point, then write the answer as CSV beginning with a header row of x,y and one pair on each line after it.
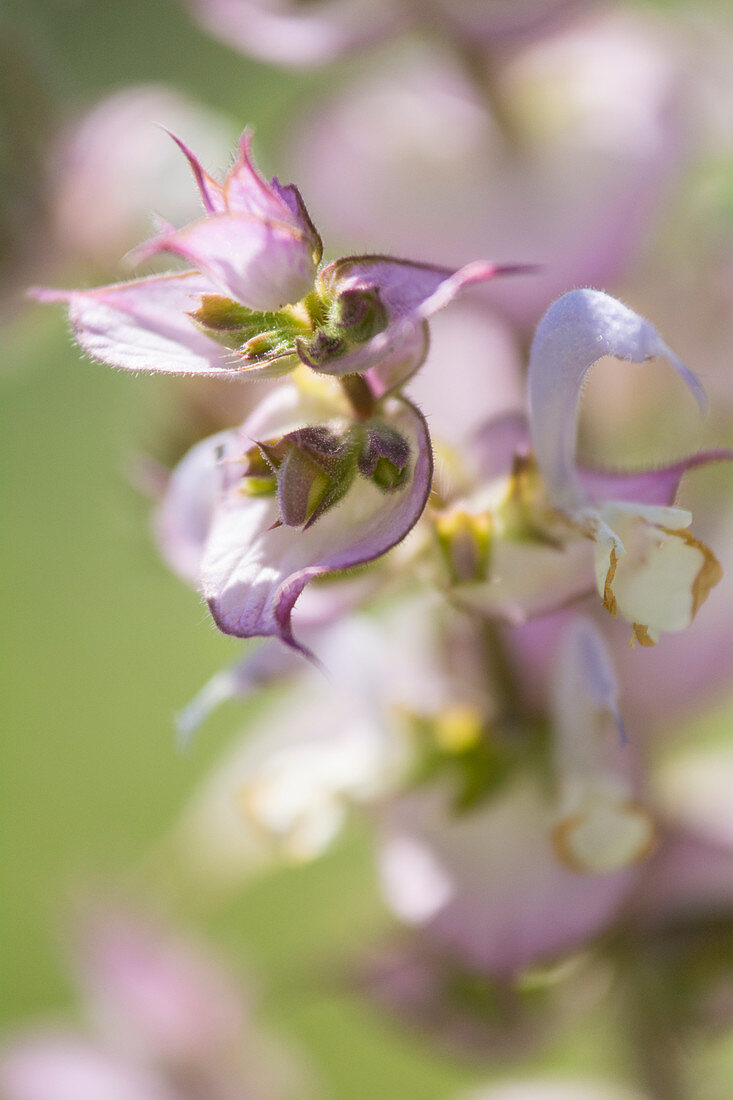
x,y
335,468
516,546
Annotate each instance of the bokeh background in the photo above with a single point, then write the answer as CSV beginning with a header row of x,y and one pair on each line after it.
x,y
101,645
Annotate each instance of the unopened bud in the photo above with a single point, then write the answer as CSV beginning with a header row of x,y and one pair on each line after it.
x,y
317,467
359,314
384,457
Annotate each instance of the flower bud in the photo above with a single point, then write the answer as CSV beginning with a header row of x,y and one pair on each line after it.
x,y
315,467
384,457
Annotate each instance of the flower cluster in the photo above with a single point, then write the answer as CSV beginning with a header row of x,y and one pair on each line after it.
x,y
512,828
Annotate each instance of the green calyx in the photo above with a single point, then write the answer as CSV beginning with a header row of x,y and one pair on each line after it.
x,y
317,330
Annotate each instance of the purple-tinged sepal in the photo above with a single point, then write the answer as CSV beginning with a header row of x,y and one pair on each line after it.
x,y
256,243
378,313
323,514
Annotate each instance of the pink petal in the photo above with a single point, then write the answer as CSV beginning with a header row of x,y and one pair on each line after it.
x,y
410,293
263,264
253,574
211,191
184,517
144,325
511,903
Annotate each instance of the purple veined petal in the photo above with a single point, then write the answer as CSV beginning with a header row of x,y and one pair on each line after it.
x,y
53,1065
254,573
184,515
263,264
293,36
144,325
577,330
410,293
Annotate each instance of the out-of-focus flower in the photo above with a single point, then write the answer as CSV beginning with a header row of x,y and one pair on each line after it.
x,y
289,33
109,168
595,117
486,883
163,1022
515,545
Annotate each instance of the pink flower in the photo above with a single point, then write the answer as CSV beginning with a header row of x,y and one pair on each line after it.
x,y
160,1013
256,302
324,476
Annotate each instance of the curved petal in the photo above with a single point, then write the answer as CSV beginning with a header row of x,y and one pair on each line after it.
x,y
578,329
254,572
410,293
497,442
184,516
145,325
263,264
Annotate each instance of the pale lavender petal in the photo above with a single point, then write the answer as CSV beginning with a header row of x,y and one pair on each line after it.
x,y
651,486
585,687
293,36
578,329
497,442
246,191
410,293
144,325
52,1065
184,516
512,903
263,264
254,573
154,993
692,873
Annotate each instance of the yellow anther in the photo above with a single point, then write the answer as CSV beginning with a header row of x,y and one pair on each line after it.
x,y
458,728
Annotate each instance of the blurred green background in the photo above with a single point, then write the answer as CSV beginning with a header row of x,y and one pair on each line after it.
x,y
101,645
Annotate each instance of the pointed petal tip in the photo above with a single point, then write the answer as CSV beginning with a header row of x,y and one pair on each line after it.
x,y
49,294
